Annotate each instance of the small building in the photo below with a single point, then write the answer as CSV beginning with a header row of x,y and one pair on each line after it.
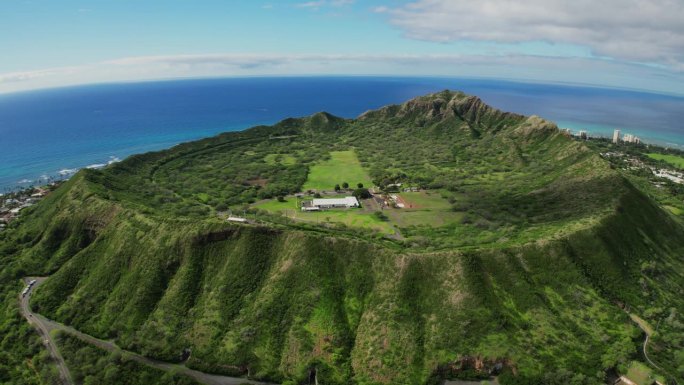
x,y
236,219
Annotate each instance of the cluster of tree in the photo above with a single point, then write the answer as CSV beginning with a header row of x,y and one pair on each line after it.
x,y
345,186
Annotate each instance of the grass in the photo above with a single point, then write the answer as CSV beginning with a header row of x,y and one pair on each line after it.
x,y
674,210
429,208
424,208
283,159
674,160
351,217
343,166
433,218
641,374
431,200
203,197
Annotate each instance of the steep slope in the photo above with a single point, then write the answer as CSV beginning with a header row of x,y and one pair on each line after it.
x,y
535,293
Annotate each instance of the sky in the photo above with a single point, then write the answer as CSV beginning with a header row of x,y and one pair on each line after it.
x,y
633,44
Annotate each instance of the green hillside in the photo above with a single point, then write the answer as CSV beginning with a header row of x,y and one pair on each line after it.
x,y
521,257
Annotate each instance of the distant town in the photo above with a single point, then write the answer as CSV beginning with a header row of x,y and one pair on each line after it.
x,y
584,134
11,204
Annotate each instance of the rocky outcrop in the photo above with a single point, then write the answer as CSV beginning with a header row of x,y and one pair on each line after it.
x,y
446,105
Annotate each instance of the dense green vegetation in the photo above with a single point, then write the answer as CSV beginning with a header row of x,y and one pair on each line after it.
x,y
519,253
90,365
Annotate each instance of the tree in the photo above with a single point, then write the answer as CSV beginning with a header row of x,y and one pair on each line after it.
x,y
359,185
337,187
345,185
362,193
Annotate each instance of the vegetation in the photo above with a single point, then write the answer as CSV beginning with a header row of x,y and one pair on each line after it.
x,y
90,365
342,166
519,254
675,160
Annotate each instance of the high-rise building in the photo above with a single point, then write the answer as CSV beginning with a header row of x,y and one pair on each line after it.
x,y
583,135
616,136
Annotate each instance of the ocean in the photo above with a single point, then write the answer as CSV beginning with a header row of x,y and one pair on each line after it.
x,y
52,133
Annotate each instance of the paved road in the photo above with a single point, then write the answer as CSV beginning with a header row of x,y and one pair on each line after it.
x,y
44,331
647,331
45,325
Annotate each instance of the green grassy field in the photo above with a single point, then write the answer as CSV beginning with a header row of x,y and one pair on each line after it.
x,y
424,208
343,166
428,200
351,217
671,159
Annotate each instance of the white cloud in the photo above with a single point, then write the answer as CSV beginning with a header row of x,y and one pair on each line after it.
x,y
311,4
521,67
317,4
650,31
14,77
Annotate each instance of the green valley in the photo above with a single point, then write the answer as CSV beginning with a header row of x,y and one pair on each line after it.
x,y
490,246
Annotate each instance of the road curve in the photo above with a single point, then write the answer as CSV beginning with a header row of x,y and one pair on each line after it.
x,y
637,320
45,325
44,332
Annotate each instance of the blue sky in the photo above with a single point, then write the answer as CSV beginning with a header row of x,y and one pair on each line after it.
x,y
619,43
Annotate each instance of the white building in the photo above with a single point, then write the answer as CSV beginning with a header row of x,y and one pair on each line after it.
x,y
329,203
583,135
616,136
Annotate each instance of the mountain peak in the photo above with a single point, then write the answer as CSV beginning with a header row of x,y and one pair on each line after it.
x,y
448,105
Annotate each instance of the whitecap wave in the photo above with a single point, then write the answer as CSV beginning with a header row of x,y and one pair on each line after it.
x,y
113,159
67,171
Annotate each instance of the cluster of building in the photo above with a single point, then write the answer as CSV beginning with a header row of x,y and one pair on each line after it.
x,y
12,204
627,138
584,134
674,176
633,163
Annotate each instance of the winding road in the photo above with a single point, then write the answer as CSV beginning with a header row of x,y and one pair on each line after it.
x,y
643,325
45,326
44,331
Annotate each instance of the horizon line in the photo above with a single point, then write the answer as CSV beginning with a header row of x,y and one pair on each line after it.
x,y
341,75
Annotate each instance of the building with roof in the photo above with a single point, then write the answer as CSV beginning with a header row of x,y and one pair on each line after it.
x,y
330,203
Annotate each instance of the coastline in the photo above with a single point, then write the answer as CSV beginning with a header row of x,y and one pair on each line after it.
x,y
603,131
52,134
